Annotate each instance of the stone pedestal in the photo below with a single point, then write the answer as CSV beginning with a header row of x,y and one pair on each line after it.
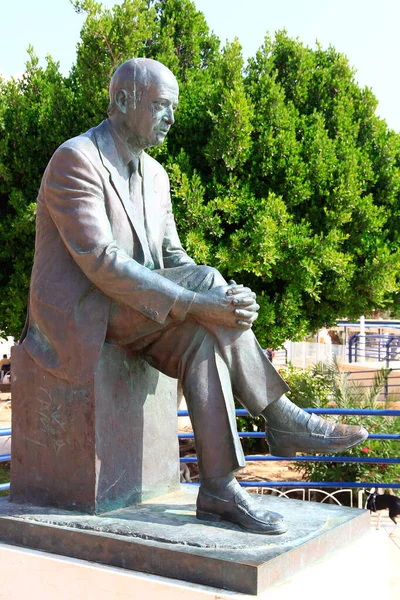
x,y
344,573
163,537
95,447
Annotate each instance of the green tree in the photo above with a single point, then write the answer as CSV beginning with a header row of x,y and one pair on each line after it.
x,y
34,121
282,176
318,146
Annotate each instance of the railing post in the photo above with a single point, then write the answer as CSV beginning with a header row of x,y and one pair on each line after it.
x,y
391,338
288,346
361,341
352,341
386,388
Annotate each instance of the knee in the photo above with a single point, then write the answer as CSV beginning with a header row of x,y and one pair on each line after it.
x,y
212,278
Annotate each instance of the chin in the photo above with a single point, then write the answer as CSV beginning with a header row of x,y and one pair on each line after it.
x,y
159,140
160,135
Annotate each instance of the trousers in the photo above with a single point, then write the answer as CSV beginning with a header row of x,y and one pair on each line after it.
x,y
214,364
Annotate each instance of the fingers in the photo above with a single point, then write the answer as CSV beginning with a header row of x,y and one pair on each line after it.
x,y
246,301
247,318
244,325
235,289
240,292
247,315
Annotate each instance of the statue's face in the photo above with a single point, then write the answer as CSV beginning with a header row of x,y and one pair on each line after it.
x,y
149,117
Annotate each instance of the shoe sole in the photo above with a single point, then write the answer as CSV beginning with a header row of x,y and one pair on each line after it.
x,y
205,516
289,452
201,515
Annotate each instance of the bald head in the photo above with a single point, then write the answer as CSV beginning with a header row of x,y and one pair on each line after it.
x,y
135,76
143,97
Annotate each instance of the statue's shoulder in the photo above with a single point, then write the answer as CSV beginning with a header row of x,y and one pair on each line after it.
x,y
153,167
85,142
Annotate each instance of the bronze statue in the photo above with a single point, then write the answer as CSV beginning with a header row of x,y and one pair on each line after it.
x,y
109,267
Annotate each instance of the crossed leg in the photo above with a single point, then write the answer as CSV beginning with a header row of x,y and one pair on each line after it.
x,y
214,364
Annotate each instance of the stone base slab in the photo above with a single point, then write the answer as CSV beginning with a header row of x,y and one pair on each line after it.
x,y
163,537
43,576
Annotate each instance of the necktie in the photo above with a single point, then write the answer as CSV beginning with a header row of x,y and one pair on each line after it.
x,y
136,197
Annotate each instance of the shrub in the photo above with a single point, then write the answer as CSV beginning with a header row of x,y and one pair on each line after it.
x,y
349,395
319,386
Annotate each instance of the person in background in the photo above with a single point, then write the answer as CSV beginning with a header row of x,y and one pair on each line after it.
x,y
4,366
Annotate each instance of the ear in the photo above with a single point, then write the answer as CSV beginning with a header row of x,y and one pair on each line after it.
x,y
121,100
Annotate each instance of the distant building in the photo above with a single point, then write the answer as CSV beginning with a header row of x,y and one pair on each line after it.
x,y
6,345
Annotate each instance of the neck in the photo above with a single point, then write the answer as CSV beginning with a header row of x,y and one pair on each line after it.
x,y
128,137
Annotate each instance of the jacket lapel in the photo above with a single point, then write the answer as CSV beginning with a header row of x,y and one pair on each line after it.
x,y
120,182
118,177
151,203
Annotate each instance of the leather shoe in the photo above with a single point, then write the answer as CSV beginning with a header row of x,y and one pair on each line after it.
x,y
289,429
241,510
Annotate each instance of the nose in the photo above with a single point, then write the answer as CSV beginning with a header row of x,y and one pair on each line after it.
x,y
169,115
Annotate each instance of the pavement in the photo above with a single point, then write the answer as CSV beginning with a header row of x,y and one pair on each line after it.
x,y
387,538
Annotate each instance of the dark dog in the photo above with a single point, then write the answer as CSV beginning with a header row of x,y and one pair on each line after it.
x,y
378,502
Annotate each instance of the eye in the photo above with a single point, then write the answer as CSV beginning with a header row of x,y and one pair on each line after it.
x,y
159,104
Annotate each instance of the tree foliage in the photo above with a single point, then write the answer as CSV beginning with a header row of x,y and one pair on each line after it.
x,y
282,175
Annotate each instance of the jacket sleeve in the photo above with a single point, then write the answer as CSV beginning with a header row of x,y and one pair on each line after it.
x,y
173,253
75,199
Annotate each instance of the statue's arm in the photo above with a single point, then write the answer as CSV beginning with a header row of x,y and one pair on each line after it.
x,y
73,193
173,253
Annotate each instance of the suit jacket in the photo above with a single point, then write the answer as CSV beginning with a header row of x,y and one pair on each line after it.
x,y
87,253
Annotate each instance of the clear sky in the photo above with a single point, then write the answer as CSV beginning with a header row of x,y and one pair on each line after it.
x,y
367,31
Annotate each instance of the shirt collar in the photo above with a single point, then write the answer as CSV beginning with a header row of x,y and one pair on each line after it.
x,y
123,150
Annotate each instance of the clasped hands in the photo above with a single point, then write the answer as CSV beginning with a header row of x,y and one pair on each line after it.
x,y
231,305
244,303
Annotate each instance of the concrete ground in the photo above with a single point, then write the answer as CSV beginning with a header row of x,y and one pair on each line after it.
x,y
389,538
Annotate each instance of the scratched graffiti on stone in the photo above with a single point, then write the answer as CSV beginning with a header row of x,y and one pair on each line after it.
x,y
50,420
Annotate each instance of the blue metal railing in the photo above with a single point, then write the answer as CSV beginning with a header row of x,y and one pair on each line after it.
x,y
333,459
242,412
377,347
312,484
320,458
261,434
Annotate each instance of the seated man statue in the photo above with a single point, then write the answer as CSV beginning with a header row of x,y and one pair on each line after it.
x,y
109,266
